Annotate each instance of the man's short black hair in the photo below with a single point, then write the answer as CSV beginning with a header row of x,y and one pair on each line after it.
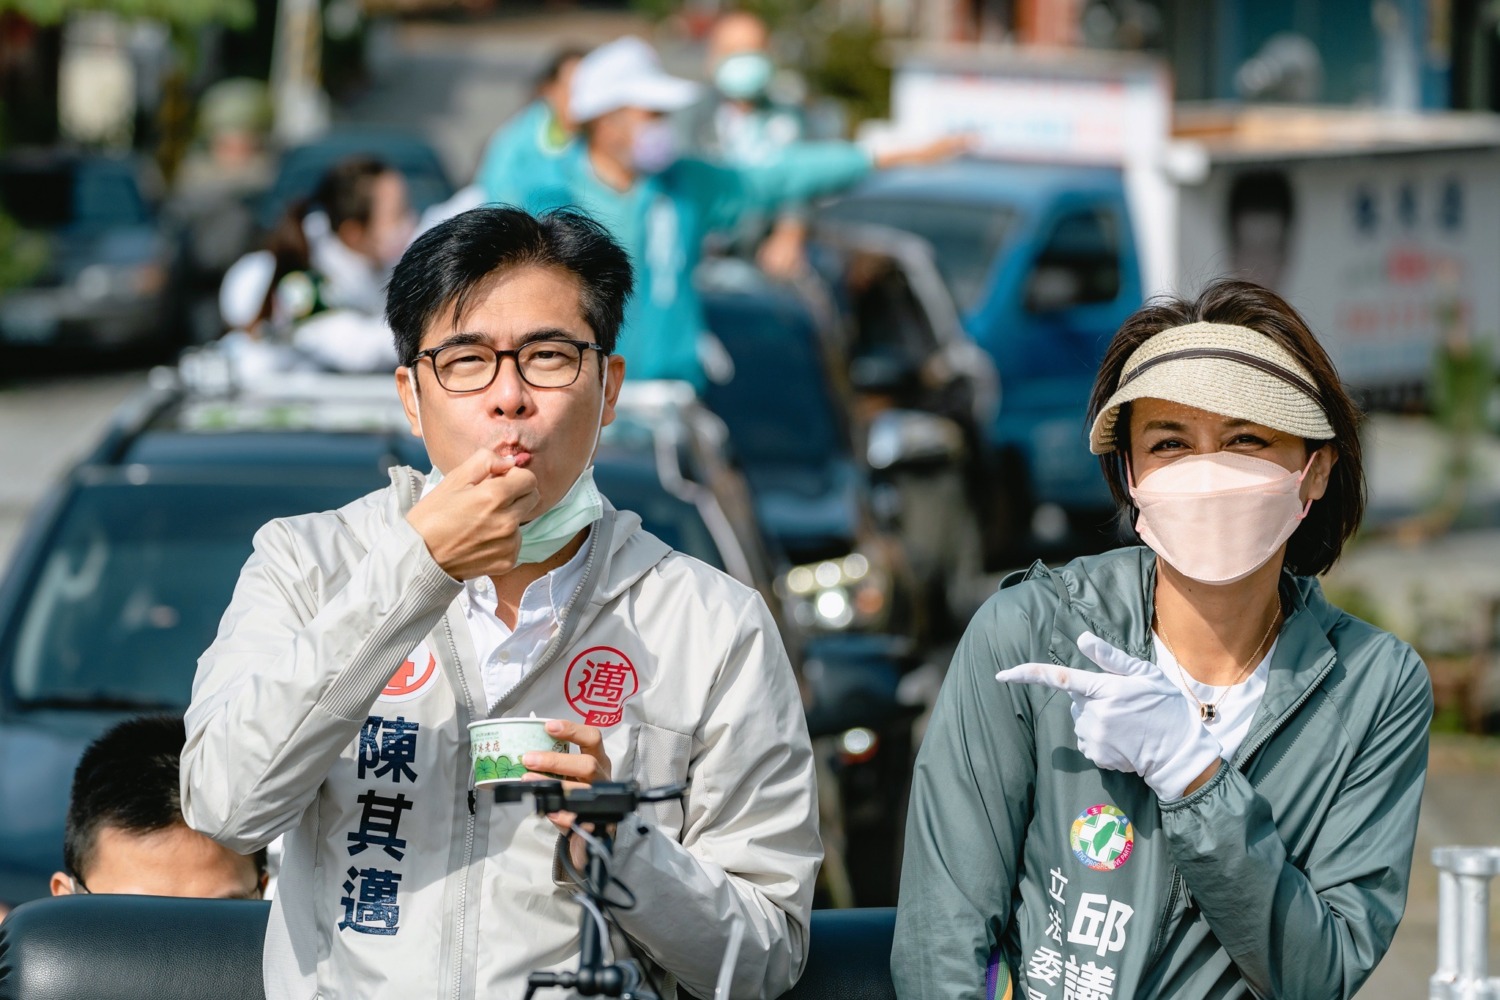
x,y
128,779
449,262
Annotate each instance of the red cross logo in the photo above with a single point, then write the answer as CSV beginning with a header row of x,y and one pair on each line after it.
x,y
413,678
599,682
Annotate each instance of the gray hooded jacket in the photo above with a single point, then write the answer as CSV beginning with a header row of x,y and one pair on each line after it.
x,y
333,707
1284,876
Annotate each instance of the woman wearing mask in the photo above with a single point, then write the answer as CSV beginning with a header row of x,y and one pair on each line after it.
x,y
1175,770
321,279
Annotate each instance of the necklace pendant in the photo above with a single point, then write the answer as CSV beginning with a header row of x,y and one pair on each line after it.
x,y
1208,713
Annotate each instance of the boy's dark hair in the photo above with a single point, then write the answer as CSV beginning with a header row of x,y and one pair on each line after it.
x,y
128,779
1318,541
452,260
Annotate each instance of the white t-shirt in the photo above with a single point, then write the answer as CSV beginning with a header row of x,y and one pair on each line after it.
x,y
1234,707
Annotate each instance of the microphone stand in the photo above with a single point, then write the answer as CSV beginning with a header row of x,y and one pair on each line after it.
x,y
603,804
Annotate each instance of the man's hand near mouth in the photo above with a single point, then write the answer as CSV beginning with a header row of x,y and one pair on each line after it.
x,y
471,521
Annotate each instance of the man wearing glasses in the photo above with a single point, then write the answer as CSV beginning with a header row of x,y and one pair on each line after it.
x,y
359,644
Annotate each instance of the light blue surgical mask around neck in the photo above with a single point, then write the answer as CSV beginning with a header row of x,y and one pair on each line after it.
x,y
545,535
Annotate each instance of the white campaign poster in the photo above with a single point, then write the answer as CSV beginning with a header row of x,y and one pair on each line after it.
x,y
1383,253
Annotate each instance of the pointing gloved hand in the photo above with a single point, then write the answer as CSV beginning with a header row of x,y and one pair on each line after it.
x,y
1130,718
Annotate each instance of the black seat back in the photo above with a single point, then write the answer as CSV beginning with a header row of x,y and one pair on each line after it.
x,y
108,947
850,956
151,948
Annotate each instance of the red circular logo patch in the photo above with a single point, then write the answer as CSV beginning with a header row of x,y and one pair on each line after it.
x,y
413,678
599,682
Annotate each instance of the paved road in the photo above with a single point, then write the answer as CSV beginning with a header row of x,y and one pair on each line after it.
x,y
1461,806
44,425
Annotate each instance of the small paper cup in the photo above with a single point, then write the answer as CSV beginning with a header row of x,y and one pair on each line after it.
x,y
496,747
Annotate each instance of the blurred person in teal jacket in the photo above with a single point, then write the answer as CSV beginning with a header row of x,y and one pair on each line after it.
x,y
536,138
750,118
630,174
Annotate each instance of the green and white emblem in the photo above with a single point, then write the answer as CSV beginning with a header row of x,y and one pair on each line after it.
x,y
1102,837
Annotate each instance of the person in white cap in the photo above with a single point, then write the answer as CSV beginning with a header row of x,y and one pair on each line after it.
x,y
1195,776
630,175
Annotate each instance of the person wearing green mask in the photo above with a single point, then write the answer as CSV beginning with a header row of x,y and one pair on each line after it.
x,y
741,123
535,138
360,643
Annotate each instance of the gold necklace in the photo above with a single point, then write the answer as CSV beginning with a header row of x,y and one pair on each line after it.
x,y
1207,710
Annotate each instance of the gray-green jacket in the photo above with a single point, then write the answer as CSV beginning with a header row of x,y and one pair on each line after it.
x,y
1284,876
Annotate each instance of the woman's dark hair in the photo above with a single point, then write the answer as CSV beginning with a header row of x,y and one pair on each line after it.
x,y
1316,544
346,193
454,259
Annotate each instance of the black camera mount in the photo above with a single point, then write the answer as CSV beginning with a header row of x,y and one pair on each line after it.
x,y
603,804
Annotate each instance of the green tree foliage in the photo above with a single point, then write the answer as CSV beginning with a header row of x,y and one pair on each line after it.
x,y
23,254
237,14
851,65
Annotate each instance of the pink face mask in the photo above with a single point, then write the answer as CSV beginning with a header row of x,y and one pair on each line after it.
x,y
1219,517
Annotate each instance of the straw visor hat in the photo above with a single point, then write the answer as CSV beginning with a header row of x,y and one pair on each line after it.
x,y
1223,369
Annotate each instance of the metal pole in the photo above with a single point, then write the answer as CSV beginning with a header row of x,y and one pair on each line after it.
x,y
1448,921
301,108
1464,924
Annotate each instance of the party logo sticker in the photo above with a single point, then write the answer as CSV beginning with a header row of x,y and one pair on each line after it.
x,y
414,678
599,682
1103,838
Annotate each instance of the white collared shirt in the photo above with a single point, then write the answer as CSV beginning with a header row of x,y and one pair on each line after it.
x,y
505,654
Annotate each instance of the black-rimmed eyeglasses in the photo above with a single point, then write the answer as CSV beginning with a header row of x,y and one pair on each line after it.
x,y
543,364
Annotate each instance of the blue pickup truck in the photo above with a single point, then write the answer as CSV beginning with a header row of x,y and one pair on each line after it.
x,y
1042,264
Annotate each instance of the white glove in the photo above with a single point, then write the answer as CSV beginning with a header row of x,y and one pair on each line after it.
x,y
1129,718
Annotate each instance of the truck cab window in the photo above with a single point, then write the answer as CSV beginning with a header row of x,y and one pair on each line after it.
x,y
890,318
1078,265
893,335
